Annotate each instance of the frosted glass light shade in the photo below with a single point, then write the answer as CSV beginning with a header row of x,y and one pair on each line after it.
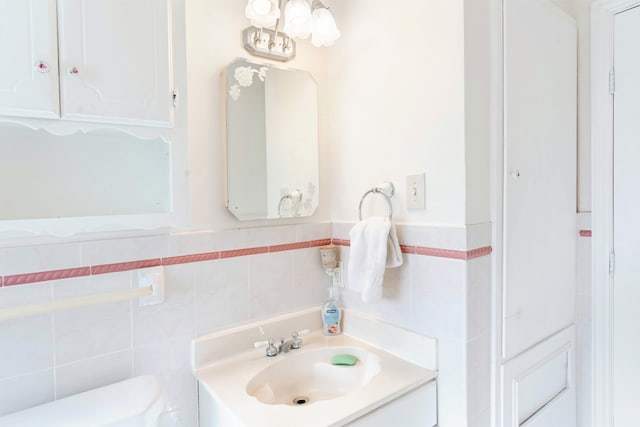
x,y
298,22
325,32
262,13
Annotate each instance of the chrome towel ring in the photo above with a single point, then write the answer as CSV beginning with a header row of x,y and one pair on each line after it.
x,y
386,190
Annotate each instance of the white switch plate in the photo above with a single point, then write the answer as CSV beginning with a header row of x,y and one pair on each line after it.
x,y
415,191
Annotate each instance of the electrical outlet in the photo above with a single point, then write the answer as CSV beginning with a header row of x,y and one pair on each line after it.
x,y
415,191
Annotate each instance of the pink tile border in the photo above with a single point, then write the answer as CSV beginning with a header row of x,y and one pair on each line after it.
x,y
244,252
185,259
125,266
43,276
435,252
585,233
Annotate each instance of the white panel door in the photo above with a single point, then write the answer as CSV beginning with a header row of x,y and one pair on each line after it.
x,y
540,173
29,59
115,62
626,205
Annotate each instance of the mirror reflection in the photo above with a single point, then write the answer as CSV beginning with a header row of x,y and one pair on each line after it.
x,y
272,141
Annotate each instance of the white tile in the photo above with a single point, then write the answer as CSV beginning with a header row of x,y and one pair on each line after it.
x,y
478,368
193,243
313,231
27,259
440,237
396,303
268,236
395,306
479,300
478,235
452,392
26,342
92,330
169,361
12,296
439,292
583,220
173,317
341,229
270,284
222,293
124,250
310,282
92,373
232,239
26,391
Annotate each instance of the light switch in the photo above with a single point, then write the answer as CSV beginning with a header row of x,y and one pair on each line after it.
x,y
415,191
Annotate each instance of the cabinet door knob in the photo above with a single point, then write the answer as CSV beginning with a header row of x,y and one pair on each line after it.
x,y
73,71
42,67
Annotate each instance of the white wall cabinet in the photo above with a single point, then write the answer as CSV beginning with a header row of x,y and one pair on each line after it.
x,y
540,173
105,61
29,60
539,217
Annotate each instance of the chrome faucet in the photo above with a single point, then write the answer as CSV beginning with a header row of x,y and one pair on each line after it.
x,y
294,343
272,350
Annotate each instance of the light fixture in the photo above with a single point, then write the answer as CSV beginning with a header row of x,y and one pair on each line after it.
x,y
262,13
325,32
302,18
297,19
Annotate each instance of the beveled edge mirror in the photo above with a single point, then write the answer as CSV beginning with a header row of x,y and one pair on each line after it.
x,y
271,126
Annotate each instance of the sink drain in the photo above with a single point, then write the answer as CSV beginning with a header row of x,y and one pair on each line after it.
x,y
300,400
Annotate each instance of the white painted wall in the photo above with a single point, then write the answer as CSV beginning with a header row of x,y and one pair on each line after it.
x,y
397,105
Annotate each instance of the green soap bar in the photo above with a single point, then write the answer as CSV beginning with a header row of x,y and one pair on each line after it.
x,y
343,359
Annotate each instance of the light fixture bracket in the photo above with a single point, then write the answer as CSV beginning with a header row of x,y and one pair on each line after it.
x,y
268,43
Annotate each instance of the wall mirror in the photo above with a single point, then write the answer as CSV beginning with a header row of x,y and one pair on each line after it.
x,y
272,141
97,173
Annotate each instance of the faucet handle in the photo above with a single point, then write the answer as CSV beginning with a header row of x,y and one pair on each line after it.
x,y
296,342
259,344
271,351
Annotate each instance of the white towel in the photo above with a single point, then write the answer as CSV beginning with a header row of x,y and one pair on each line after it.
x,y
374,246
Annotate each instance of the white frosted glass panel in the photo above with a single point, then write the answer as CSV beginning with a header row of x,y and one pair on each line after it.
x,y
104,172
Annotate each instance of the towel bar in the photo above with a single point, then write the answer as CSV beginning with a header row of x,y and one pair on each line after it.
x,y
386,190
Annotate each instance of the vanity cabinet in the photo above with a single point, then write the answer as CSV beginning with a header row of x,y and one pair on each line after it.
x,y
417,408
105,61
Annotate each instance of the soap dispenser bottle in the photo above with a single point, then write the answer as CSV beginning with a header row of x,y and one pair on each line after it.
x,y
331,315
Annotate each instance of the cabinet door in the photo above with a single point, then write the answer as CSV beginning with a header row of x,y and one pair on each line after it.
x,y
540,181
115,63
29,60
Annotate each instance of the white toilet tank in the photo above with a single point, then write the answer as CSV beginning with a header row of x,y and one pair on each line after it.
x,y
136,402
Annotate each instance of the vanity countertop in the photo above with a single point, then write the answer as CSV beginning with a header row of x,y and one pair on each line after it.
x,y
225,377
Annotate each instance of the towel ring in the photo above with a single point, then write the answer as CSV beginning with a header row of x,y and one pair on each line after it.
x,y
294,197
386,190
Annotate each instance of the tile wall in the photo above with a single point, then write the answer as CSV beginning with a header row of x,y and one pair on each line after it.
x,y
215,280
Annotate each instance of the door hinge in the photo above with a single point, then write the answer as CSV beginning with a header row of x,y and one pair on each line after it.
x,y
175,96
612,82
612,263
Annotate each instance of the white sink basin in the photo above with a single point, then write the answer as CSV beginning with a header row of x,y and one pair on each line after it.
x,y
309,377
241,387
